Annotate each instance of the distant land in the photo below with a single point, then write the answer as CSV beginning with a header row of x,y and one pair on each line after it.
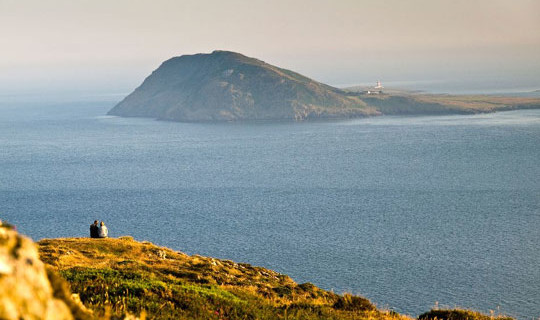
x,y
228,86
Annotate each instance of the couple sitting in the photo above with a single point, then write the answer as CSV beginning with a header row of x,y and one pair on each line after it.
x,y
100,231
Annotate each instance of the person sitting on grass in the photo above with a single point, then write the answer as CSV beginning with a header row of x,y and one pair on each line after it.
x,y
94,230
103,231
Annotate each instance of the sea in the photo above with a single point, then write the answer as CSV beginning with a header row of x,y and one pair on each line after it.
x,y
410,212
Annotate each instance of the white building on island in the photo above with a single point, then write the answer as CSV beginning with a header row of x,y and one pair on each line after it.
x,y
377,89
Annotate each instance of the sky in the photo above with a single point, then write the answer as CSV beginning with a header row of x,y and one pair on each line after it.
x,y
109,47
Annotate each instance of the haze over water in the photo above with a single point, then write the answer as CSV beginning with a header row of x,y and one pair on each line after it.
x,y
404,210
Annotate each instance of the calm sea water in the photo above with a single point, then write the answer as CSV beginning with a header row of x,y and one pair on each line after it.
x,y
406,211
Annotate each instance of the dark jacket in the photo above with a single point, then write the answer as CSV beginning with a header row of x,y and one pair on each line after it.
x,y
94,231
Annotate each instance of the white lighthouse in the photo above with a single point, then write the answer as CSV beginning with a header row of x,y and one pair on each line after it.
x,y
377,89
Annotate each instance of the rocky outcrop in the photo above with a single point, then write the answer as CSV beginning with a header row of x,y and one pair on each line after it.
x,y
25,290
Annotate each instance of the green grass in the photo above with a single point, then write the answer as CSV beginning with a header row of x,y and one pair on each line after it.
x,y
116,277
120,276
135,291
122,292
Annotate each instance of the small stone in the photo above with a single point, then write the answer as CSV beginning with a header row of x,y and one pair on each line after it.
x,y
5,268
162,254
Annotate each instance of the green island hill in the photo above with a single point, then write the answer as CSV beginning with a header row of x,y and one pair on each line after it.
x,y
228,86
84,278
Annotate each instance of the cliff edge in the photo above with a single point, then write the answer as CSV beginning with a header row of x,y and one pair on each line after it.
x,y
123,276
126,279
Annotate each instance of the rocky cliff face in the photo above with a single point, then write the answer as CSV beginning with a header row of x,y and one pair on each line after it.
x,y
224,86
25,290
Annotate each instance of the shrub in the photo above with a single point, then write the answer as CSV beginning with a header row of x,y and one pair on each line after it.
x,y
458,314
349,302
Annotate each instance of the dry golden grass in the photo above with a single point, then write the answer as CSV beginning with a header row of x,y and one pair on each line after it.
x,y
120,276
421,104
480,103
116,277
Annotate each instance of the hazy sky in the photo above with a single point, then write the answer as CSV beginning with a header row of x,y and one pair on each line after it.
x,y
110,46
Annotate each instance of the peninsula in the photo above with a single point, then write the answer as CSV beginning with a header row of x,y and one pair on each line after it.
x,y
228,86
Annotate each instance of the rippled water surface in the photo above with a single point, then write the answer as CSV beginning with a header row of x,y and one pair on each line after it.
x,y
408,211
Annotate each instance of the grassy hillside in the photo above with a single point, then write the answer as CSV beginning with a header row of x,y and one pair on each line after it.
x,y
116,277
431,104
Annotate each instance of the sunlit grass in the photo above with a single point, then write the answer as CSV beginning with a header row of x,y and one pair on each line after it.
x,y
116,277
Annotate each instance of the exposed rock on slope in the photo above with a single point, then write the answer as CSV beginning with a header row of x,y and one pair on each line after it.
x,y
25,290
226,85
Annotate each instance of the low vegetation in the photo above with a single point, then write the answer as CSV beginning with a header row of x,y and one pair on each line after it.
x,y
413,104
115,278
458,314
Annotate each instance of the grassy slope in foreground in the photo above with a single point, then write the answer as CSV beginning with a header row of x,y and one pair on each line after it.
x,y
120,276
131,276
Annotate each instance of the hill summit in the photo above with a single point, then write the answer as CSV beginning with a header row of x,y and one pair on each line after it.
x,y
224,86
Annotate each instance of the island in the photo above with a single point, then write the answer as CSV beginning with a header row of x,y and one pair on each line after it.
x,y
229,86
